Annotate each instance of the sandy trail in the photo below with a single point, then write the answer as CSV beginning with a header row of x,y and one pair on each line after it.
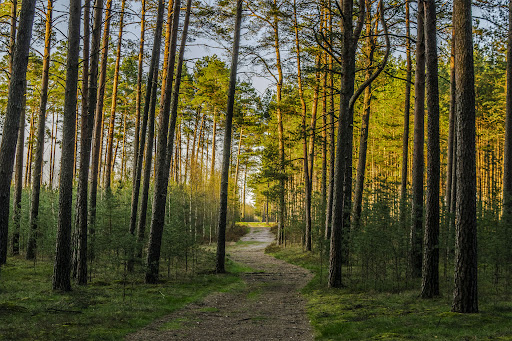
x,y
269,307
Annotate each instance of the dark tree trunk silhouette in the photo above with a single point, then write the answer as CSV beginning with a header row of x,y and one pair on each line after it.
x,y
365,122
85,143
18,174
332,137
138,98
98,128
167,79
62,267
430,273
348,97
221,229
349,39
12,117
38,161
407,107
137,171
307,182
507,155
12,40
164,156
465,294
415,244
110,139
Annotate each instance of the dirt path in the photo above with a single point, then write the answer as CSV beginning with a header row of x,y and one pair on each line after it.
x,y
268,308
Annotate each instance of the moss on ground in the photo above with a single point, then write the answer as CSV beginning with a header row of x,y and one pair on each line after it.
x,y
354,314
106,309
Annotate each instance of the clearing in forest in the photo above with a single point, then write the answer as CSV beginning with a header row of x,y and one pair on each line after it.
x,y
267,307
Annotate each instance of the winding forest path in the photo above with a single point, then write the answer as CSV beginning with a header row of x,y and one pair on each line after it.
x,y
268,307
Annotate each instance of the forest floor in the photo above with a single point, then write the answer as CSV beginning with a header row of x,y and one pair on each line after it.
x,y
267,307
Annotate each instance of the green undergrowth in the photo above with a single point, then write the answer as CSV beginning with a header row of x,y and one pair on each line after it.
x,y
105,309
352,313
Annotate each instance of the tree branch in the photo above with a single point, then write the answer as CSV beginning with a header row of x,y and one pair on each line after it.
x,y
366,83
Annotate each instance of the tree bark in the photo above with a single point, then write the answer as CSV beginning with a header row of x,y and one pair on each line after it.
x,y
332,137
138,98
141,228
349,39
86,133
61,270
465,294
305,163
407,108
110,140
214,143
38,162
280,132
165,149
430,273
415,258
312,123
12,117
18,177
137,171
98,125
507,155
365,122
221,230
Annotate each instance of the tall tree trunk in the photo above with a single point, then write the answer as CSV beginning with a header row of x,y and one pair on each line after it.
x,y
407,107
84,94
113,106
38,163
86,133
305,163
348,97
451,135
415,258
169,107
168,30
12,35
323,187
332,136
214,143
137,171
12,117
61,270
12,41
18,175
138,98
365,122
349,39
30,147
221,229
98,126
235,185
141,228
430,273
465,294
507,155
279,114
312,124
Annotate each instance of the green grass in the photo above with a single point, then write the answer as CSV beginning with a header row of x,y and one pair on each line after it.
x,y
254,295
355,314
106,309
174,324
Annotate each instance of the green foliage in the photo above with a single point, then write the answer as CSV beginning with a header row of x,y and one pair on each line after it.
x,y
360,314
107,309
